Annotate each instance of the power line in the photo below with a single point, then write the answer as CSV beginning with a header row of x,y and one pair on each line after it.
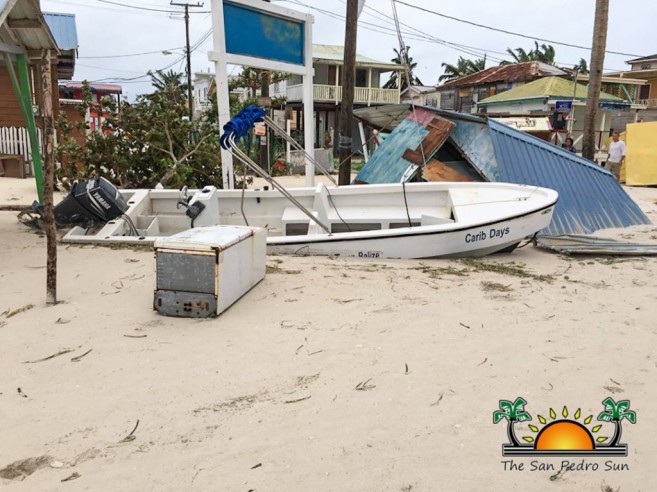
x,y
129,54
483,26
150,9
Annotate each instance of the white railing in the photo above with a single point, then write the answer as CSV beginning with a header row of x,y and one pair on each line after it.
x,y
651,103
333,93
16,141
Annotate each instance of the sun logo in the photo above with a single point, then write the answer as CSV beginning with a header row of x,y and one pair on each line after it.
x,y
564,436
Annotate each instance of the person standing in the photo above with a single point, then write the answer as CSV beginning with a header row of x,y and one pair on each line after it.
x,y
569,145
617,151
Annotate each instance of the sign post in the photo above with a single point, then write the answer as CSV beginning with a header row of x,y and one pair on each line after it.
x,y
257,34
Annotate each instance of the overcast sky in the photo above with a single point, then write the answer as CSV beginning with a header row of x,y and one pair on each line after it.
x,y
106,31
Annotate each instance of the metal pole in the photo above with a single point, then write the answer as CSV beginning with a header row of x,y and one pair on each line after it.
x,y
218,56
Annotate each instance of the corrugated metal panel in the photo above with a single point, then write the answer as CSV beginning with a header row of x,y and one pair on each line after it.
x,y
546,87
573,244
63,30
589,196
505,73
30,38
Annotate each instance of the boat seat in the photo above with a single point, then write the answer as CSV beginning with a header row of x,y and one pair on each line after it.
x,y
428,220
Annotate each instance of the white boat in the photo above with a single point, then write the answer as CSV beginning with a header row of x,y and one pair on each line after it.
x,y
416,220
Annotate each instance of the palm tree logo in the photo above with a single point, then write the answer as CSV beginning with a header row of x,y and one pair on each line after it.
x,y
564,435
616,412
512,412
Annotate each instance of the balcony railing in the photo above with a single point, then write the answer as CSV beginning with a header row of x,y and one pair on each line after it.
x,y
333,93
651,103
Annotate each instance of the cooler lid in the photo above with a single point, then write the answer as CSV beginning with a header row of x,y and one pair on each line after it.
x,y
206,238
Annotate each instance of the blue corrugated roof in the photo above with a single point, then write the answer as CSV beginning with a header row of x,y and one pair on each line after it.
x,y
589,196
62,27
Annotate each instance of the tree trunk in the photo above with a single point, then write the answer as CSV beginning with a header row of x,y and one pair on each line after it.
x,y
511,434
49,178
348,76
595,76
617,433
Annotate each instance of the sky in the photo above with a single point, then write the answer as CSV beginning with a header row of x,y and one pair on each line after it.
x,y
107,32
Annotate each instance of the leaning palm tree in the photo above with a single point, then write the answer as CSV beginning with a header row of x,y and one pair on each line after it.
x,y
582,67
463,67
409,65
544,53
512,412
616,412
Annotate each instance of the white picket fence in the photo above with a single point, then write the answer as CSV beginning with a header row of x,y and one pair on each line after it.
x,y
16,141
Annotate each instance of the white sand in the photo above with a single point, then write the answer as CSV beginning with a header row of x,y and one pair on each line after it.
x,y
211,395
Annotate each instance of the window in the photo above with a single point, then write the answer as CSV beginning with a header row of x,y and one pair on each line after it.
x,y
644,92
646,66
361,77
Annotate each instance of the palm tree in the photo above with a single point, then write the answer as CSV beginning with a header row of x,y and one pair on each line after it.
x,y
463,67
409,65
513,412
595,76
616,412
582,67
544,53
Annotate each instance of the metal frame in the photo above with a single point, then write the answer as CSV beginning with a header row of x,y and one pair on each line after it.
x,y
221,59
243,157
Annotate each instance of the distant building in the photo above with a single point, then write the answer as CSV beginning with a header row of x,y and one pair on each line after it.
x,y
643,70
70,98
327,91
534,108
24,28
422,95
463,93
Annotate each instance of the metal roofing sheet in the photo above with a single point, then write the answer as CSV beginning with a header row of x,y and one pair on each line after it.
x,y
335,53
545,87
590,198
505,73
574,244
63,29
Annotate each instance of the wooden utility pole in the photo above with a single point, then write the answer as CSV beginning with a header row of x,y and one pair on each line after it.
x,y
190,97
348,79
595,76
49,177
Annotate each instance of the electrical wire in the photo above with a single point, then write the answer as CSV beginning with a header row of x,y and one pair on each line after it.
x,y
129,54
151,9
534,38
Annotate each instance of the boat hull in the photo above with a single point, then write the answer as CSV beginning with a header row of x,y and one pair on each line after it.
x,y
421,220
419,242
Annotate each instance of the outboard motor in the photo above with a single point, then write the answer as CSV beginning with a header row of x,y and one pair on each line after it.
x,y
89,202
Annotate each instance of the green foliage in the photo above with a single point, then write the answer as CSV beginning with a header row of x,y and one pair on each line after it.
x,y
582,67
543,53
407,62
463,67
512,411
617,411
150,141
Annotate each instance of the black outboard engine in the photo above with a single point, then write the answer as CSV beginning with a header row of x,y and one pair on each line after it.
x,y
89,202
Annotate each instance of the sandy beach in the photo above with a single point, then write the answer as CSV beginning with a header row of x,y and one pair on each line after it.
x,y
329,375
